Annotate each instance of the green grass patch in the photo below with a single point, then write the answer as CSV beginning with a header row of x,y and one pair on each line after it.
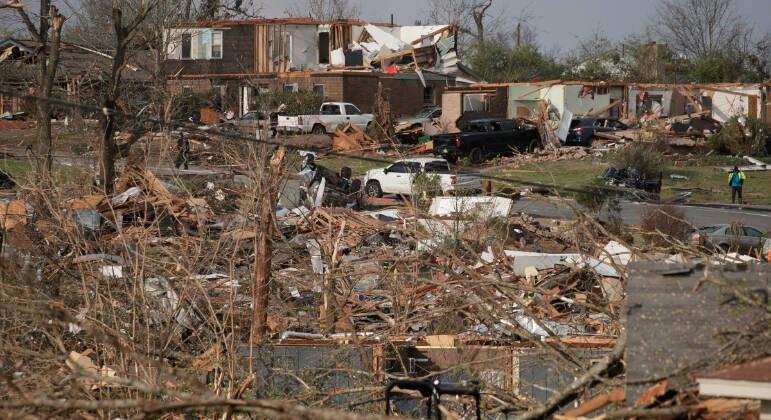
x,y
567,173
23,170
358,166
706,178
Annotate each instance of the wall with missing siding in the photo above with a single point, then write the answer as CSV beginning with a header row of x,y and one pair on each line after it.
x,y
237,52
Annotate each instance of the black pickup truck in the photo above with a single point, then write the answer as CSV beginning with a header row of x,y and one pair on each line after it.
x,y
487,137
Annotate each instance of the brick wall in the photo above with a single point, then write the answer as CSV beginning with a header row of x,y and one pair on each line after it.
x,y
405,95
196,85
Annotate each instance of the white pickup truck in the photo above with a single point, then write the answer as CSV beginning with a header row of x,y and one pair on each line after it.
x,y
331,115
399,177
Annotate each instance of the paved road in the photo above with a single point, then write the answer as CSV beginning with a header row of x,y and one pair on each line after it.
x,y
631,213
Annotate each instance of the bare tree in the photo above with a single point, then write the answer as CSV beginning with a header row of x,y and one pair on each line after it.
x,y
472,17
47,54
699,27
478,14
325,9
125,35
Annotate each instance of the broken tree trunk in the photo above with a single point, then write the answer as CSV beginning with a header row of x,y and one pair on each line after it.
x,y
264,251
329,287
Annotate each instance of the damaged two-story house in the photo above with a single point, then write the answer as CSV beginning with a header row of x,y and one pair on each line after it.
x,y
343,60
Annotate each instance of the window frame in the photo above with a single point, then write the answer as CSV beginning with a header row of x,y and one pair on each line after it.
x,y
429,90
436,164
414,167
189,37
335,106
750,228
221,45
402,165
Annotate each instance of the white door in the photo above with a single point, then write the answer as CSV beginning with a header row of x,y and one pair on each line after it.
x,y
397,179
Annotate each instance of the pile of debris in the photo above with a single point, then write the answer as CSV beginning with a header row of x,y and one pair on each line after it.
x,y
541,155
351,138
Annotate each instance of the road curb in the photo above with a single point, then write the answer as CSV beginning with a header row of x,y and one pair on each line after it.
x,y
766,209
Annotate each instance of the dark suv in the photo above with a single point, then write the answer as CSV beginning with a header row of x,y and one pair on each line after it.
x,y
582,129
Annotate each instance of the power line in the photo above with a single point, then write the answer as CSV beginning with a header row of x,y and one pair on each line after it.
x,y
232,136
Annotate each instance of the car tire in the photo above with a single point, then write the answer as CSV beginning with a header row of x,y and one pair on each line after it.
x,y
318,129
369,126
724,248
373,189
534,146
476,156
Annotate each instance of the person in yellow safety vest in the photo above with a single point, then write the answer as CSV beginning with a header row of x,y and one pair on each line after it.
x,y
736,182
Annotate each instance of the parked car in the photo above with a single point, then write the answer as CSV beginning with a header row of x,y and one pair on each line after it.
x,y
582,130
425,115
331,115
730,238
399,177
480,138
249,122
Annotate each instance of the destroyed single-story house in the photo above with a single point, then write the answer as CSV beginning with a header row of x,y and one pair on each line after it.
x,y
524,100
344,60
612,99
724,100
81,75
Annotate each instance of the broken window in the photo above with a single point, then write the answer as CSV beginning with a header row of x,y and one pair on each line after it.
x,y
319,89
187,46
216,44
324,48
428,95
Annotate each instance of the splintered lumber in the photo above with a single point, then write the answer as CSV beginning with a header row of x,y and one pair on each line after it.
x,y
12,214
614,395
607,136
323,220
650,395
352,138
345,143
426,147
605,108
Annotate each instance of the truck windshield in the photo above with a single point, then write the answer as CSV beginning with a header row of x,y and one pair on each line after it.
x,y
437,167
425,113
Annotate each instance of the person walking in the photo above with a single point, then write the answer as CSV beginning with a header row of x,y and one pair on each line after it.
x,y
183,148
736,181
